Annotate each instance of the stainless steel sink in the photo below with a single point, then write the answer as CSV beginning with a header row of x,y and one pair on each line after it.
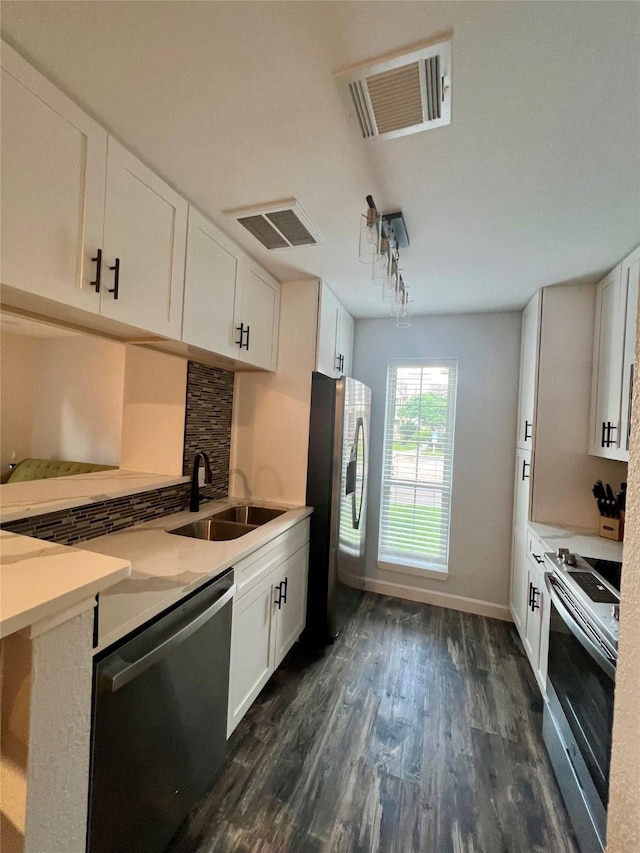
x,y
248,514
213,529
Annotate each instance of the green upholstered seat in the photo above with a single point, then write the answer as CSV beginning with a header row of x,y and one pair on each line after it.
x,y
41,469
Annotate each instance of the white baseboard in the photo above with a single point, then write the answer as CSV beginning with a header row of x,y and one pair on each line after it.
x,y
439,599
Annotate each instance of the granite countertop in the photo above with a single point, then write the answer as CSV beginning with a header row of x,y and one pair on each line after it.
x,y
40,579
579,540
37,497
166,567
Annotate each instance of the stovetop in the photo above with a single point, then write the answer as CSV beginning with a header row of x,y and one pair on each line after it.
x,y
592,583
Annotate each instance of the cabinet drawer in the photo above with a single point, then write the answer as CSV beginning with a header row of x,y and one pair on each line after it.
x,y
252,569
535,551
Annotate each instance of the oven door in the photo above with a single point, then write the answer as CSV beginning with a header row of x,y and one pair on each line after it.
x,y
581,672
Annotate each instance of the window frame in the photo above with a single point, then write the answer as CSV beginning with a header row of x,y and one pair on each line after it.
x,y
420,565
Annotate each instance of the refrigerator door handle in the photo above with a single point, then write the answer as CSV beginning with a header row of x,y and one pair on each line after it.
x,y
356,514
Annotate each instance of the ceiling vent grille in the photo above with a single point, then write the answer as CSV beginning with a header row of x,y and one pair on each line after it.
x,y
280,225
402,94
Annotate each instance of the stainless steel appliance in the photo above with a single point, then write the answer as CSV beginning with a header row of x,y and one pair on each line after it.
x,y
160,723
337,490
578,713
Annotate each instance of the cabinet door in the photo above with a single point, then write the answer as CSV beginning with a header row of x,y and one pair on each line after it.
x,y
536,646
53,160
522,490
529,347
252,648
291,592
211,286
145,228
259,318
607,368
345,341
327,344
519,581
630,278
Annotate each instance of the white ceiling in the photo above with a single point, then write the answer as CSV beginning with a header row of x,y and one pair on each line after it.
x,y
535,182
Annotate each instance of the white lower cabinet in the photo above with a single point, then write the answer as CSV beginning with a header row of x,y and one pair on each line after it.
x,y
269,614
535,629
519,581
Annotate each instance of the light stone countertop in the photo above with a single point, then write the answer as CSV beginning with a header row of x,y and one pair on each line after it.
x,y
166,567
37,497
579,540
40,579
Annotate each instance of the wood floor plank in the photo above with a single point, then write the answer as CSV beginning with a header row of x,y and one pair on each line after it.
x,y
418,731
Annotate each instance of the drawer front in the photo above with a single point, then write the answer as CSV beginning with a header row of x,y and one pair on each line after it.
x,y
535,551
252,569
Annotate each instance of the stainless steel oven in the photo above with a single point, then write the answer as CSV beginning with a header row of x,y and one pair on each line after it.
x,y
578,714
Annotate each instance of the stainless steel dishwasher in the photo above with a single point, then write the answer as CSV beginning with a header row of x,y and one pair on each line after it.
x,y
159,723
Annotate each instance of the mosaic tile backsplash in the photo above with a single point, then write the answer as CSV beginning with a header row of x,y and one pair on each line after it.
x,y
208,423
207,427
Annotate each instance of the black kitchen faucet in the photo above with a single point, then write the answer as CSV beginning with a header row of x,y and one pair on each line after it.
x,y
194,504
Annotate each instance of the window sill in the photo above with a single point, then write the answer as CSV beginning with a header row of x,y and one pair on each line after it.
x,y
403,569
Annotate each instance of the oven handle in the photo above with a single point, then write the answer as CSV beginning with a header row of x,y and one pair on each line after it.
x,y
585,641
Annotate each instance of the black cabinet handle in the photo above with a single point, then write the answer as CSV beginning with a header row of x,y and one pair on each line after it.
x,y
527,426
630,406
285,584
98,261
607,429
248,331
525,465
341,363
530,594
538,559
241,341
278,592
535,593
116,279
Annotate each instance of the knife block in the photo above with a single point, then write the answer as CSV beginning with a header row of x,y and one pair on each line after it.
x,y
612,528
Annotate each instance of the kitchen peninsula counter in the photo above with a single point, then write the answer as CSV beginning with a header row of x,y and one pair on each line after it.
x,y
167,567
38,580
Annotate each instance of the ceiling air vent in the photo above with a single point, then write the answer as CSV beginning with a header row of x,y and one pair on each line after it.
x,y
401,94
280,225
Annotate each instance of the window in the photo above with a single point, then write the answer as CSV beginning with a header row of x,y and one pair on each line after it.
x,y
417,464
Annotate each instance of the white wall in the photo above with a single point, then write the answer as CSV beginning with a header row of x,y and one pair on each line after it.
x,y
270,431
487,347
78,400
155,388
17,372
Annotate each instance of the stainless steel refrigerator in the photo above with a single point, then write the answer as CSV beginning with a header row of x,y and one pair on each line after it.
x,y
337,490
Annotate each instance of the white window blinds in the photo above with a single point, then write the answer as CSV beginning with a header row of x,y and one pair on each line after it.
x,y
417,463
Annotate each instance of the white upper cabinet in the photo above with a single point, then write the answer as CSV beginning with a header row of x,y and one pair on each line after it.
x,y
345,341
630,274
87,225
211,287
257,318
335,336
613,357
145,232
528,372
53,160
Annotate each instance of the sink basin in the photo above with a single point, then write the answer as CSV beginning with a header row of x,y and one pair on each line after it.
x,y
248,514
213,529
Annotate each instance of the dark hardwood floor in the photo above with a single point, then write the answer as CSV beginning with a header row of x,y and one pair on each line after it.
x,y
417,732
